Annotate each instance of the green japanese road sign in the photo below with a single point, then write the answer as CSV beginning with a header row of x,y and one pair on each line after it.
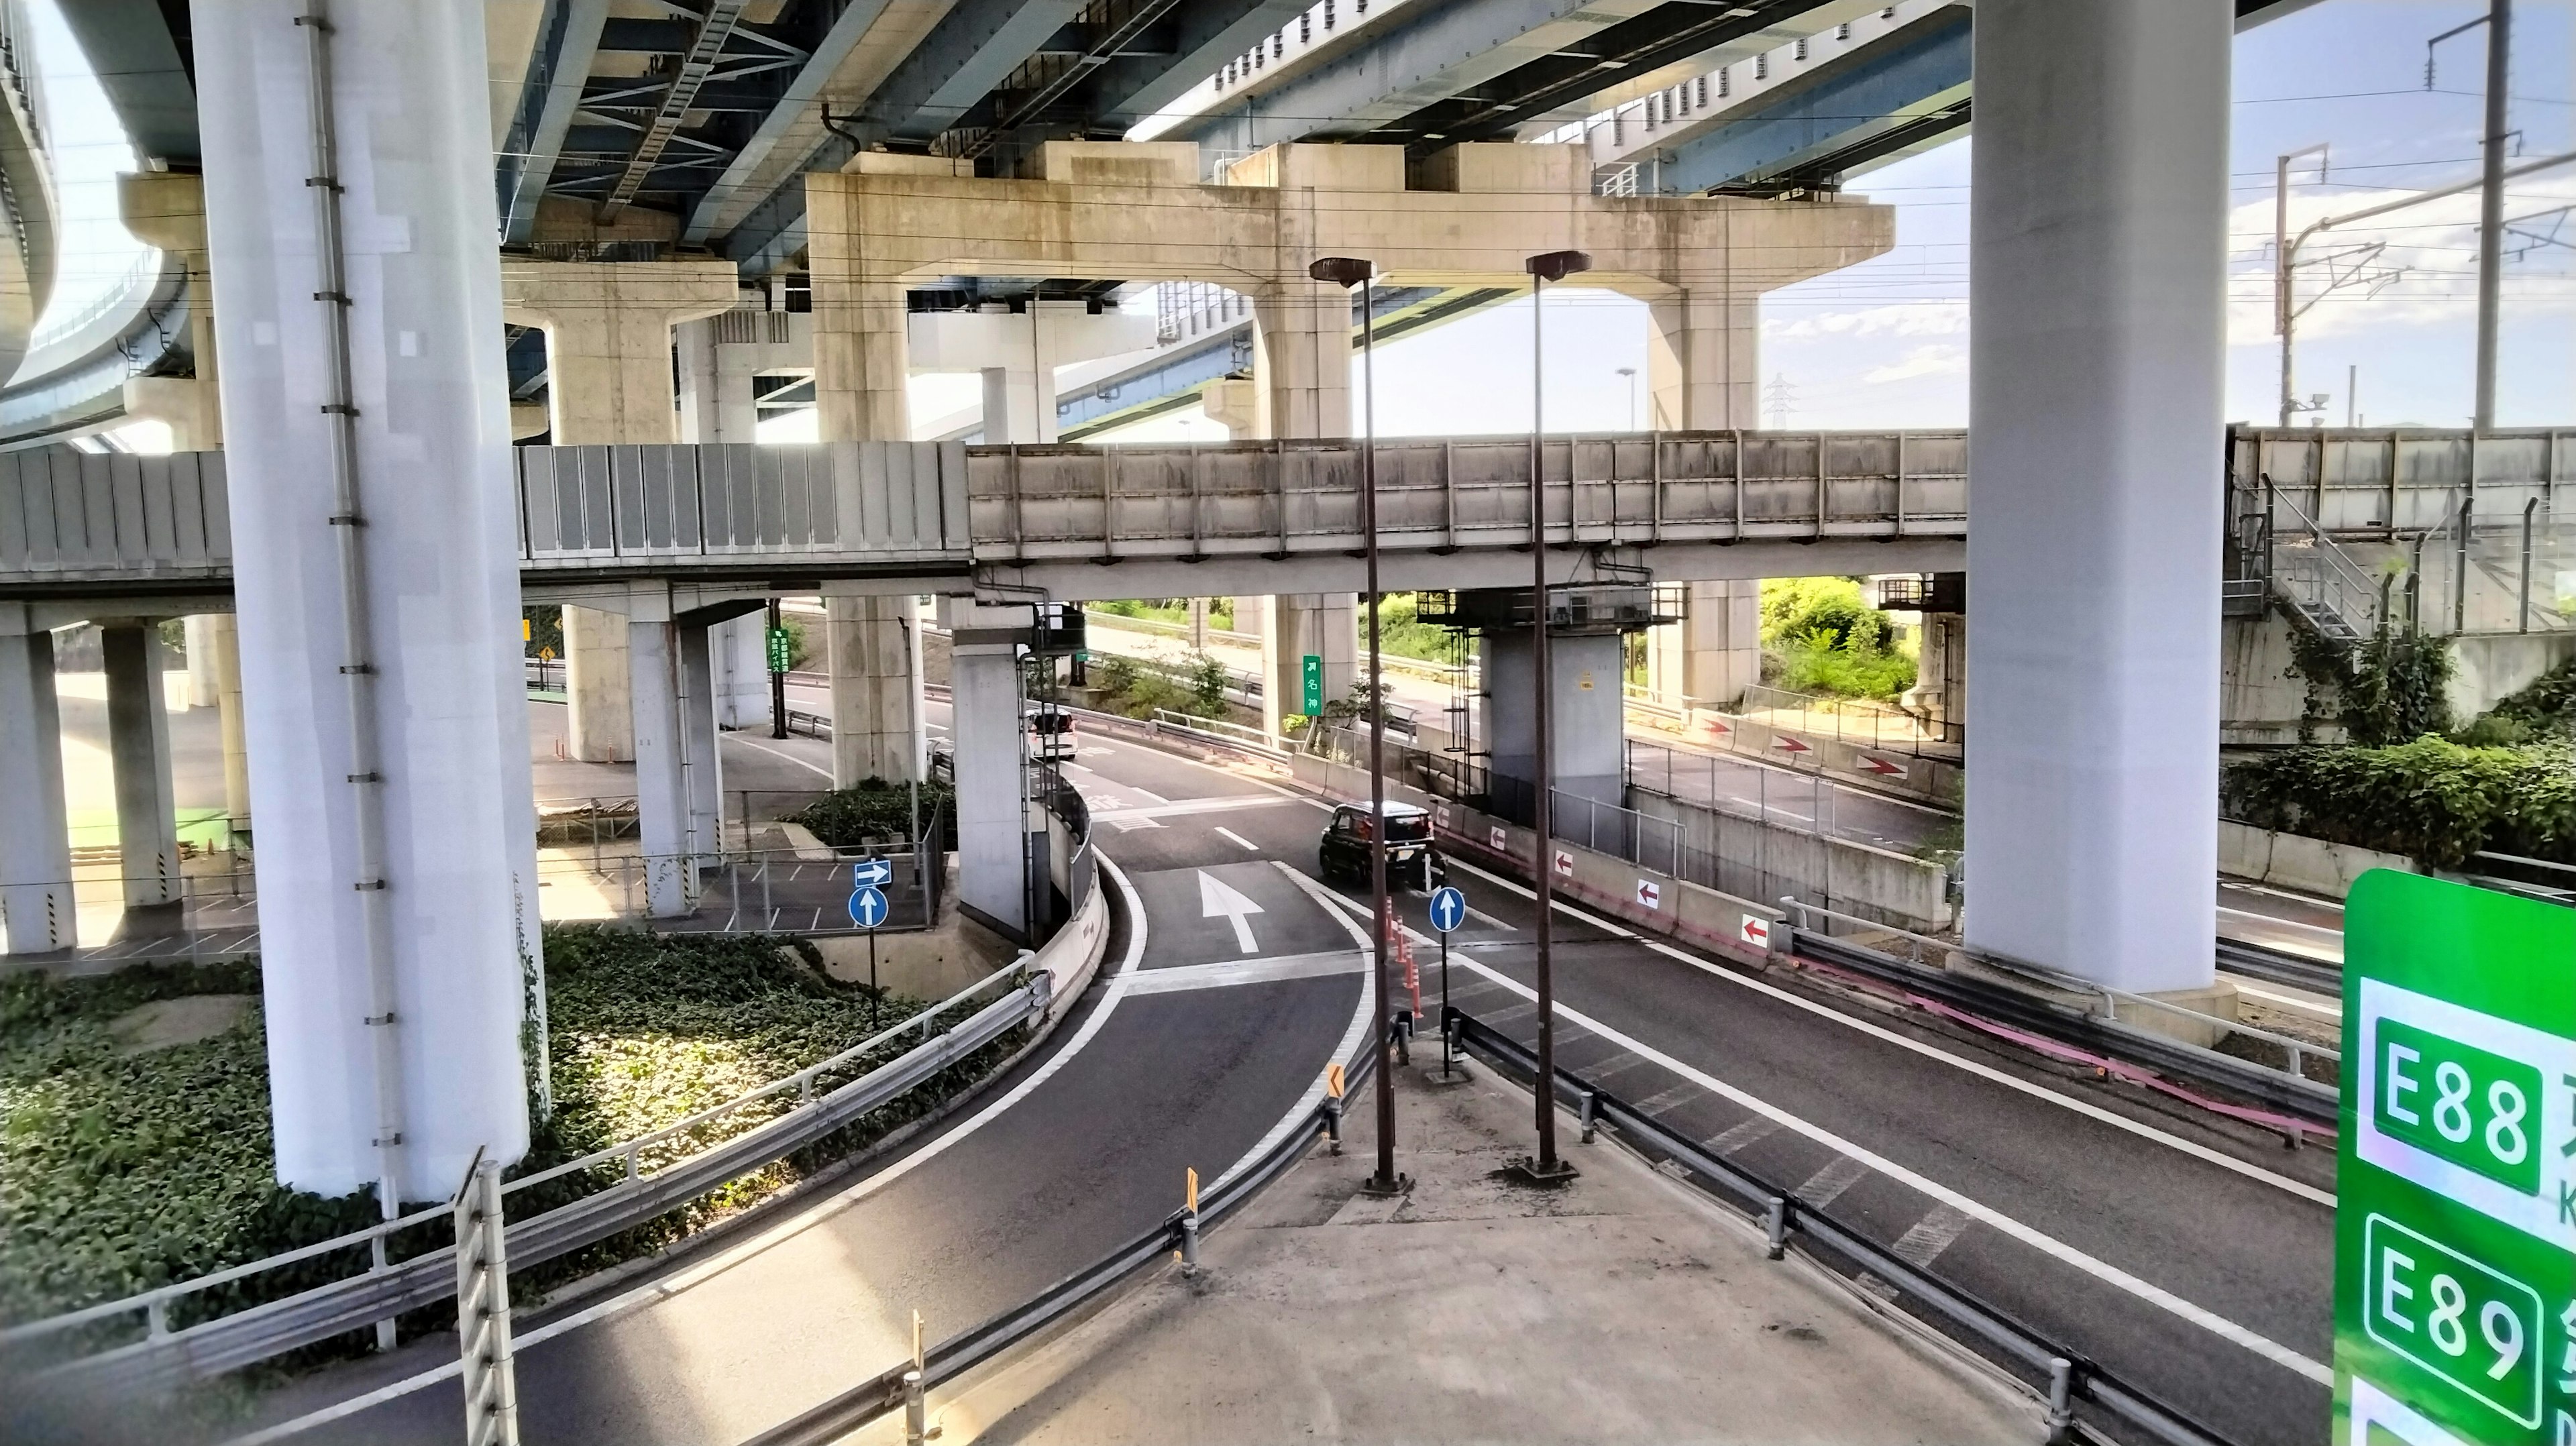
x,y
2455,1222
1314,686
778,650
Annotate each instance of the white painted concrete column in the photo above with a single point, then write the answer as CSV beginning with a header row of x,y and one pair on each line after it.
x,y
2097,270
874,645
698,754
738,653
36,846
992,816
138,743
453,928
1588,737
662,793
609,379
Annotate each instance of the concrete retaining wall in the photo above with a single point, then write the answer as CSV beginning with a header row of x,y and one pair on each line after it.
x,y
1881,770
1774,859
2294,861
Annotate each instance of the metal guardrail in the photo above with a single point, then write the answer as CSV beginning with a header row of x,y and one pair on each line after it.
x,y
2280,967
2285,1090
166,1356
898,1387
2066,1375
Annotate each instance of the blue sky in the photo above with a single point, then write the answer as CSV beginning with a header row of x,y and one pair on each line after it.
x,y
1884,344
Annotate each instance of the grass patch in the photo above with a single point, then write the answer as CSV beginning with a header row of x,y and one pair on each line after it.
x,y
1824,637
119,1171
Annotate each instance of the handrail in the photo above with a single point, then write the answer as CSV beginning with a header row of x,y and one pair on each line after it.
x,y
2066,1374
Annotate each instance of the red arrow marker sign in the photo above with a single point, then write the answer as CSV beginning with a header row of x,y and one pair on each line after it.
x,y
1882,767
1787,744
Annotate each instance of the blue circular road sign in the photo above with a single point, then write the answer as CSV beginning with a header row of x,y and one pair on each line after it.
x,y
1448,908
868,908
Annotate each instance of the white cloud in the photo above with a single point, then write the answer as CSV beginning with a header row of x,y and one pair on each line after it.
x,y
1937,360
1928,318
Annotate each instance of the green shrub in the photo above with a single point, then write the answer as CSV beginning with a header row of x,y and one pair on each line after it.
x,y
121,1171
1845,672
1822,612
1403,635
2432,800
876,809
2386,688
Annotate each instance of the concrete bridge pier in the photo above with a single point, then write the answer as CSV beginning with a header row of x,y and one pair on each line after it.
x,y
1301,387
877,715
1714,653
1587,732
138,743
398,892
987,732
1295,626
2098,229
609,379
36,908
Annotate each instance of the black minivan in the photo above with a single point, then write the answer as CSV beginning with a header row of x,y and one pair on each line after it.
x,y
1412,862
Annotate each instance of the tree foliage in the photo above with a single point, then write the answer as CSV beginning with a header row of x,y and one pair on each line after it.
x,y
2432,800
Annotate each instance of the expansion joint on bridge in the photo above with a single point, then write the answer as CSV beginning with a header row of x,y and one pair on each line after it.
x,y
338,297
366,778
345,409
367,668
368,886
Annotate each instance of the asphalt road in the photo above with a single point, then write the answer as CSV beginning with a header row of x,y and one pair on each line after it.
x,y
1188,1065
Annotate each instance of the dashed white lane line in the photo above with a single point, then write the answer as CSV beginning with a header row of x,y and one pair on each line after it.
x,y
2085,1108
1827,1185
2046,1244
1238,838
1937,1231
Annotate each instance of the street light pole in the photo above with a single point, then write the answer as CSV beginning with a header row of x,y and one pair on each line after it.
x,y
2491,204
1348,271
1631,374
1543,1167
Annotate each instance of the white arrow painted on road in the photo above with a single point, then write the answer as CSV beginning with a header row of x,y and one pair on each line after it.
x,y
1217,901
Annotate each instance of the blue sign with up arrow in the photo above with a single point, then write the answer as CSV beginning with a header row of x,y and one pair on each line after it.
x,y
868,908
871,873
1448,908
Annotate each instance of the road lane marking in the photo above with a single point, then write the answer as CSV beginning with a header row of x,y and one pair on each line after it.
x,y
1224,972
1739,1135
1238,838
1224,803
1345,1053
1925,1239
724,1260
1217,900
1827,1185
2046,1244
774,753
2085,1108
2325,1009
1653,1106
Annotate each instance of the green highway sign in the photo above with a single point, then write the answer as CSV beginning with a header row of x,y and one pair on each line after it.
x,y
778,650
1314,686
2455,1222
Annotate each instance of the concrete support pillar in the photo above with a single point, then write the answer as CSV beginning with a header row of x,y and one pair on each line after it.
x,y
738,651
2097,269
36,909
992,781
875,649
1940,693
223,639
608,327
1703,359
662,774
201,665
1294,627
1588,739
1301,359
599,704
699,758
861,354
398,987
1714,653
138,744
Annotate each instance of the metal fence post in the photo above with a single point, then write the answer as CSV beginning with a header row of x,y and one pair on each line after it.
x,y
2061,1401
2522,613
1775,1227
483,1310
1591,1114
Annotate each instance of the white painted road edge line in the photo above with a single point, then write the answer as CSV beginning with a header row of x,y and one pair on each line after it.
x,y
1304,1109
726,1259
2085,1108
1248,844
2050,1245
775,753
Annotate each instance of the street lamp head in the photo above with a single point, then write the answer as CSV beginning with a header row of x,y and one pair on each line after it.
x,y
1558,265
1627,371
1343,270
